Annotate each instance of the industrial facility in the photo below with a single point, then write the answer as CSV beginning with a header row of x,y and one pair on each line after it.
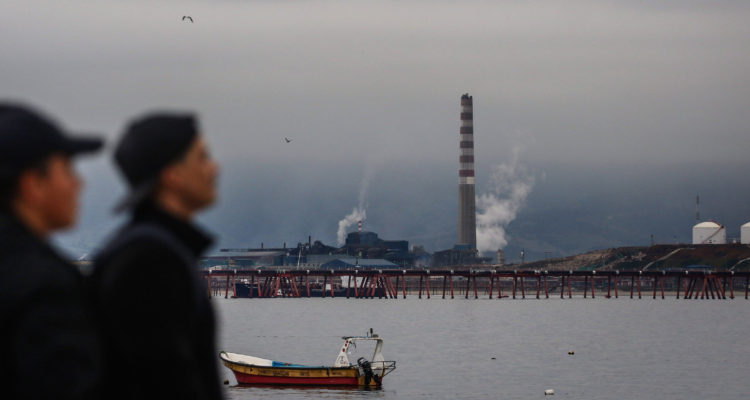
x,y
709,232
364,249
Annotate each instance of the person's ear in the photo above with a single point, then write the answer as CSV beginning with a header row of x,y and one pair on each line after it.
x,y
30,187
170,176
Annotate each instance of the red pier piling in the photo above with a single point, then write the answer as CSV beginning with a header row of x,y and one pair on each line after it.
x,y
585,285
593,295
639,285
562,287
609,286
616,282
570,291
661,280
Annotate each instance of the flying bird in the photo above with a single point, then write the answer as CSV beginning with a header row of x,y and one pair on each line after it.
x,y
287,140
184,17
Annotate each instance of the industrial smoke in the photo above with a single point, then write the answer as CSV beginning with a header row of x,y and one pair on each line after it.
x,y
357,214
510,184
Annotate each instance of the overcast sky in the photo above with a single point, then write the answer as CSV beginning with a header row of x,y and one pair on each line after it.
x,y
365,85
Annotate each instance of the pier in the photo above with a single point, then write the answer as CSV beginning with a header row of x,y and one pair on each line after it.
x,y
473,283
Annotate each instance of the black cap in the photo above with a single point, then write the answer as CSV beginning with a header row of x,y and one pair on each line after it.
x,y
27,137
150,144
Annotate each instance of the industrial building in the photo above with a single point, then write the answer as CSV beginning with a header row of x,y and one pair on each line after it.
x,y
315,261
458,255
709,232
367,245
349,263
361,249
243,258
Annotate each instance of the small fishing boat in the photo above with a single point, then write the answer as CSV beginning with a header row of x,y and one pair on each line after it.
x,y
251,370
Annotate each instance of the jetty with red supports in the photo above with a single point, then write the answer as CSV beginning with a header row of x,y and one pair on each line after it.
x,y
473,283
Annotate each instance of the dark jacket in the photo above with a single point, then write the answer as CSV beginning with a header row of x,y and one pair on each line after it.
x,y
157,322
49,348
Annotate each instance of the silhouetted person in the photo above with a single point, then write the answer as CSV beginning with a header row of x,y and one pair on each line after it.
x,y
49,348
155,311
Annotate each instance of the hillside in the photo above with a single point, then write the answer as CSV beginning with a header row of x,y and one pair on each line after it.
x,y
730,257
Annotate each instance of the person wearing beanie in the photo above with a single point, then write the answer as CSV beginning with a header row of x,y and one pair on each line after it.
x,y
49,345
154,310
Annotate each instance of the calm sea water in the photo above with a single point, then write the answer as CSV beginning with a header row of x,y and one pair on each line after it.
x,y
624,349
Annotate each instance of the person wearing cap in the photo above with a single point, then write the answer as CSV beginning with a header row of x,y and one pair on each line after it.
x,y
49,345
157,320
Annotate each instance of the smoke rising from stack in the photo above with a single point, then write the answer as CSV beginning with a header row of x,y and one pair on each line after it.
x,y
358,213
510,184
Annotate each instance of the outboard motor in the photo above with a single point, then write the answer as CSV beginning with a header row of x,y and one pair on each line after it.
x,y
367,369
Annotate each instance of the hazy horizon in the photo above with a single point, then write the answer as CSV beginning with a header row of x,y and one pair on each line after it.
x,y
568,211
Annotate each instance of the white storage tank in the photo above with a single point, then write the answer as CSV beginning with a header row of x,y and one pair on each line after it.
x,y
745,234
709,233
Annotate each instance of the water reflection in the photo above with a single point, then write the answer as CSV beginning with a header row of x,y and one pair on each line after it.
x,y
266,392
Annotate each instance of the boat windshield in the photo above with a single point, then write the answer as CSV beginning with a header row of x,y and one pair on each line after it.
x,y
356,347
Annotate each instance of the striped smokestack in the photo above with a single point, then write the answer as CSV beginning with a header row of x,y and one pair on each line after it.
x,y
467,218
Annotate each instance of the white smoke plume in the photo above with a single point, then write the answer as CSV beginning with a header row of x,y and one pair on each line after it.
x,y
510,184
357,214
365,184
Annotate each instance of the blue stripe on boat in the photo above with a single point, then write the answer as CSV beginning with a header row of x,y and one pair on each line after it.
x,y
288,365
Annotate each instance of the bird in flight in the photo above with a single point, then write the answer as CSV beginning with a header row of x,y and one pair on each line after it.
x,y
287,140
184,17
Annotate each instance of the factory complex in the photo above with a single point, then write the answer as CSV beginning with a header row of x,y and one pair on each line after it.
x,y
366,250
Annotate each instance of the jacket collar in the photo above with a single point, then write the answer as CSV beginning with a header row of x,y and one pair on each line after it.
x,y
13,233
189,234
